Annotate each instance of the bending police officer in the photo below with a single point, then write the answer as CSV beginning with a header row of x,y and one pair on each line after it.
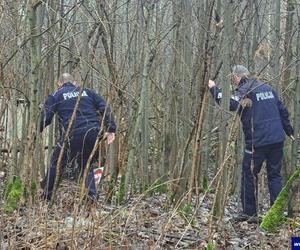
x,y
84,130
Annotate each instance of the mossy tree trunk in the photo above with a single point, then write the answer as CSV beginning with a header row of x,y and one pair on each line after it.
x,y
274,216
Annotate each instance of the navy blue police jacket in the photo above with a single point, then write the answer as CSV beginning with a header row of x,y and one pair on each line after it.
x,y
91,106
266,121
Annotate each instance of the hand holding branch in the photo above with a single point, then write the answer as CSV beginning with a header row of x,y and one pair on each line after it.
x,y
109,137
211,84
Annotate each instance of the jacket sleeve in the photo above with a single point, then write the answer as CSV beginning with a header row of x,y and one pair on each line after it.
x,y
101,106
217,95
284,115
48,111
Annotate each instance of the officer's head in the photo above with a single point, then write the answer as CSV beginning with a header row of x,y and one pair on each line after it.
x,y
64,78
238,72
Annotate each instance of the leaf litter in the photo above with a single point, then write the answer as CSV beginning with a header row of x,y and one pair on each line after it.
x,y
142,222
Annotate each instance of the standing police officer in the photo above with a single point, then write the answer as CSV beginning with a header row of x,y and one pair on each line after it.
x,y
265,122
84,130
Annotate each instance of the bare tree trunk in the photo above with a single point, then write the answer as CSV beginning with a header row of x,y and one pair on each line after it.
x,y
255,33
276,39
145,108
13,109
222,180
50,89
295,144
287,69
85,50
30,164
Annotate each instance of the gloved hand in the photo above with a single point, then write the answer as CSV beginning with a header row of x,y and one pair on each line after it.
x,y
247,102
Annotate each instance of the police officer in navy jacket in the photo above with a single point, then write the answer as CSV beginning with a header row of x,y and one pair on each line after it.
x,y
265,121
84,130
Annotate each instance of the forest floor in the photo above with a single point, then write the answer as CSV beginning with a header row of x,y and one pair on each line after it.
x,y
143,222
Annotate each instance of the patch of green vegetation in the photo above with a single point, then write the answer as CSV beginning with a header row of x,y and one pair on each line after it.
x,y
171,196
165,206
110,191
274,216
120,194
186,211
210,245
159,187
205,185
33,189
13,193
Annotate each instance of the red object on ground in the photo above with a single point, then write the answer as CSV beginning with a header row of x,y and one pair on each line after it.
x,y
98,174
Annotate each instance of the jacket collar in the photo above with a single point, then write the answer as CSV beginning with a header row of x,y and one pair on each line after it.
x,y
247,82
243,81
68,84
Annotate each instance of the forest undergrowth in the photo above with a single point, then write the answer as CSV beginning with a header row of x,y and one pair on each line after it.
x,y
145,221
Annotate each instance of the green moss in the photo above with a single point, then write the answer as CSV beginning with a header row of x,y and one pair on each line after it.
x,y
274,216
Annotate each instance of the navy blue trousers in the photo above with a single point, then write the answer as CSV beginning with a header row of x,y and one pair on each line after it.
x,y
78,148
273,155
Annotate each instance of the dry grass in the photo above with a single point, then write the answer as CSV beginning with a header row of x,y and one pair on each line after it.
x,y
70,225
142,222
